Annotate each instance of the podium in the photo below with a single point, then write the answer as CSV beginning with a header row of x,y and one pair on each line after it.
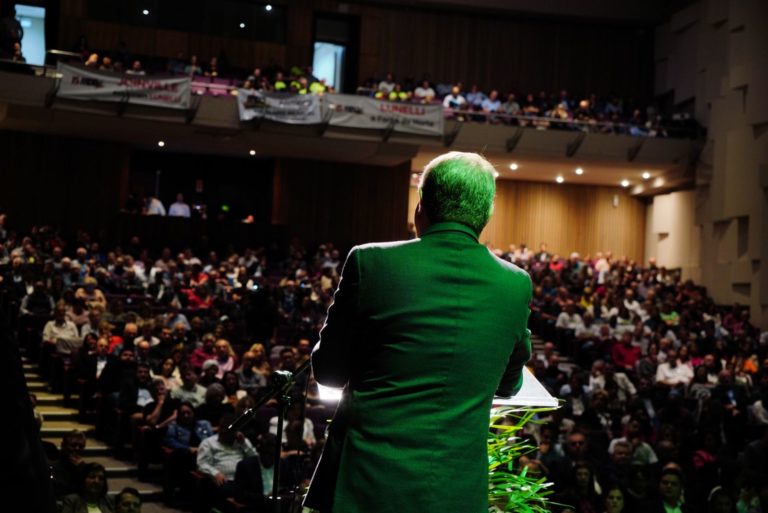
x,y
532,394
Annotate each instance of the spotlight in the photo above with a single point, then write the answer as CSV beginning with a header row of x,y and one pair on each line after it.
x,y
268,7
579,171
646,175
145,12
252,153
559,179
161,143
513,166
242,25
625,183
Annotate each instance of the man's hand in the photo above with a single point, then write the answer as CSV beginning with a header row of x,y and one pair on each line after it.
x,y
193,450
239,437
219,479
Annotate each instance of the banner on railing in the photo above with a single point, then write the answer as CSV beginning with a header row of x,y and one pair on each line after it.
x,y
300,109
80,83
361,112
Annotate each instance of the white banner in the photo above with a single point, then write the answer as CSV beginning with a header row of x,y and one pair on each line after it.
x,y
363,112
302,109
81,83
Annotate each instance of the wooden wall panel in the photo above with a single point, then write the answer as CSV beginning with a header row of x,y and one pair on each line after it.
x,y
71,183
102,35
568,218
140,40
344,203
171,42
500,51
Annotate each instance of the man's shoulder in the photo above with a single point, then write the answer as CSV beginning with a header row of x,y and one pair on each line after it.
x,y
374,247
517,272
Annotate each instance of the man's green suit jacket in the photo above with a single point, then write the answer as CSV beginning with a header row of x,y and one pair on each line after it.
x,y
421,333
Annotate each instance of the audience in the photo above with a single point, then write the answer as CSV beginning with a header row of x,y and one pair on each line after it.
x,y
542,110
660,384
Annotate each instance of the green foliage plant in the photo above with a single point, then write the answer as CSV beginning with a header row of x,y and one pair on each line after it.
x,y
512,489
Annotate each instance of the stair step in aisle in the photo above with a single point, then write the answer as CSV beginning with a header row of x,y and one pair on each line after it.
x,y
59,419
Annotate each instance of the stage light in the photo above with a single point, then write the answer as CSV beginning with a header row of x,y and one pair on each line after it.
x,y
252,153
559,179
268,7
513,166
646,175
161,143
242,25
579,171
145,12
625,183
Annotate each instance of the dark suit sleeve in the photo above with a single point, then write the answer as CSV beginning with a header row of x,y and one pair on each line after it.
x,y
512,379
331,355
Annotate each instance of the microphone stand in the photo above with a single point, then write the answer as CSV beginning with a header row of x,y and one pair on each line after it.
x,y
281,383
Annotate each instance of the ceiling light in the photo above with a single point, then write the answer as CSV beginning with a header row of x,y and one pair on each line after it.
x,y
625,183
145,12
268,7
579,171
161,143
559,179
242,25
646,175
513,166
252,153
495,174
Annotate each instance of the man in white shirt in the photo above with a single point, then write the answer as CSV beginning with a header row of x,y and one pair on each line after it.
x,y
154,207
232,463
61,333
424,93
568,318
179,209
454,100
671,373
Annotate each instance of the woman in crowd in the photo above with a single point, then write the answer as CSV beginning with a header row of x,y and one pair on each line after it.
x,y
169,373
92,492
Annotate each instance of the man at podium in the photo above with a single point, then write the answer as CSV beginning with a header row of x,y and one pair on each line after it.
x,y
421,335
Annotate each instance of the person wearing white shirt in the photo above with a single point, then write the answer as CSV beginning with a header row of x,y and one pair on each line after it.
x,y
454,100
232,463
179,209
154,207
671,373
568,318
424,93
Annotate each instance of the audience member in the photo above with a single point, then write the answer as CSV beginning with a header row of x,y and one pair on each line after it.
x,y
91,495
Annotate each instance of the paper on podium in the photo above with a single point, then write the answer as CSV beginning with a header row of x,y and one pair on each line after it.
x,y
532,393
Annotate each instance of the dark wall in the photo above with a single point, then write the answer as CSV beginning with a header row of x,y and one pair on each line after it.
x,y
495,50
68,183
345,204
507,51
242,185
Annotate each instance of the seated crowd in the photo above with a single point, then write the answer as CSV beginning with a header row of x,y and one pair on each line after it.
x,y
542,110
664,390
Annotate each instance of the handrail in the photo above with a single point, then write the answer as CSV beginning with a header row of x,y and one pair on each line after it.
x,y
207,85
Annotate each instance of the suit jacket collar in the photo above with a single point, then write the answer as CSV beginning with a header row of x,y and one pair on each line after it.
x,y
450,227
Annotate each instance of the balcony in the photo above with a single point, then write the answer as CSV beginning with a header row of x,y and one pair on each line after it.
x,y
650,165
